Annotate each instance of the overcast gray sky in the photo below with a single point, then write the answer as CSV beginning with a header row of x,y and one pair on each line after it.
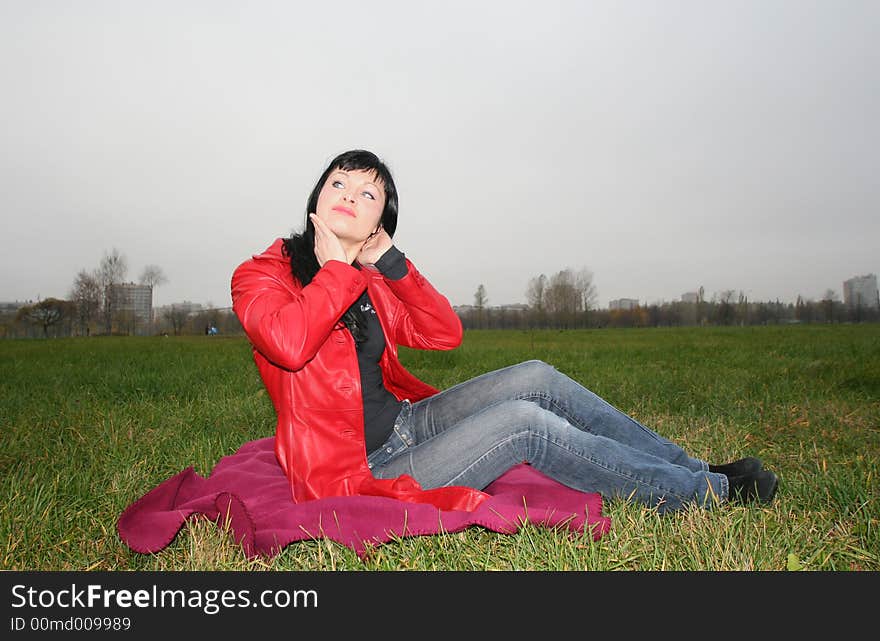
x,y
662,145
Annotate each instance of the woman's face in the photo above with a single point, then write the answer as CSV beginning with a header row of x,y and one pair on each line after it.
x,y
351,203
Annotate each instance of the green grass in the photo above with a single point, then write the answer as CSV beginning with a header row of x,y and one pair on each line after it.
x,y
90,425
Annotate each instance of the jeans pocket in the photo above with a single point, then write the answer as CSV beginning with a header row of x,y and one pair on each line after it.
x,y
401,438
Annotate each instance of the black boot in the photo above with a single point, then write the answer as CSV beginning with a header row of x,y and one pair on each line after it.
x,y
742,467
748,487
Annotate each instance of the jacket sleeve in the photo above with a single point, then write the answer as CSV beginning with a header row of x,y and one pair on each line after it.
x,y
424,319
286,325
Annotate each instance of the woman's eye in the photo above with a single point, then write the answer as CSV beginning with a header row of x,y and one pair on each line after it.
x,y
372,197
337,183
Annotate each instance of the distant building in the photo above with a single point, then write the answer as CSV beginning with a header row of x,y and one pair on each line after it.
x,y
132,306
623,303
690,297
861,292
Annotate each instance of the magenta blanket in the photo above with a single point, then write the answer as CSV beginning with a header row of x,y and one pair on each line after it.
x,y
250,487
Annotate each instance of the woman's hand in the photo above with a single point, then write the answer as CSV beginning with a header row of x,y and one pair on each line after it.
x,y
374,247
327,245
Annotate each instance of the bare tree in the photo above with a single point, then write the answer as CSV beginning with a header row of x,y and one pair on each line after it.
x,y
480,297
535,292
725,309
701,304
46,313
562,297
86,295
154,277
111,271
480,301
828,301
177,316
113,267
742,308
587,289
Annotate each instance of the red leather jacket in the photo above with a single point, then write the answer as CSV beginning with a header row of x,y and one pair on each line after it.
x,y
308,363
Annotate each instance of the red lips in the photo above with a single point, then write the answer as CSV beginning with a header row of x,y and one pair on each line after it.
x,y
344,210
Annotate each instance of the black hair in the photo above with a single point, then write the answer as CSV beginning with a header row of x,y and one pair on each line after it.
x,y
301,247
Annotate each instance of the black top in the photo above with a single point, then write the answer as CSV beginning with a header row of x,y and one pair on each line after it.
x,y
380,405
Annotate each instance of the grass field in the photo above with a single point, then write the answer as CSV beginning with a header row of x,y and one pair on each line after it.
x,y
90,425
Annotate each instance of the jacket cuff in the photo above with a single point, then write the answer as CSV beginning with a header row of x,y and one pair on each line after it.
x,y
392,264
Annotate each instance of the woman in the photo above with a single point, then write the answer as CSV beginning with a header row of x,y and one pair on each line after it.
x,y
325,311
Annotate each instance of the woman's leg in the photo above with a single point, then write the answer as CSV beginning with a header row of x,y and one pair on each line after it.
x,y
550,389
482,446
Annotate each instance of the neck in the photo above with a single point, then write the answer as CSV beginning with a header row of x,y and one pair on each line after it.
x,y
351,249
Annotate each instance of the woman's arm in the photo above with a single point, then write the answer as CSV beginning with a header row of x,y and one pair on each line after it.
x,y
424,319
285,325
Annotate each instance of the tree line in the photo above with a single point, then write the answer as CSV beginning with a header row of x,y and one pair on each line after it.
x,y
97,304
564,300
567,300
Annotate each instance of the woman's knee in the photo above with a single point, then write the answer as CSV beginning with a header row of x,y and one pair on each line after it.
x,y
536,364
526,419
513,417
536,371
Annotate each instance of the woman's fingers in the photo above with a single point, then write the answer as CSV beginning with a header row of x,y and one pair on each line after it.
x,y
327,245
375,246
320,225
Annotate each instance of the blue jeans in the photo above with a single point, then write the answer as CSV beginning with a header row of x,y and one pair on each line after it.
x,y
473,432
